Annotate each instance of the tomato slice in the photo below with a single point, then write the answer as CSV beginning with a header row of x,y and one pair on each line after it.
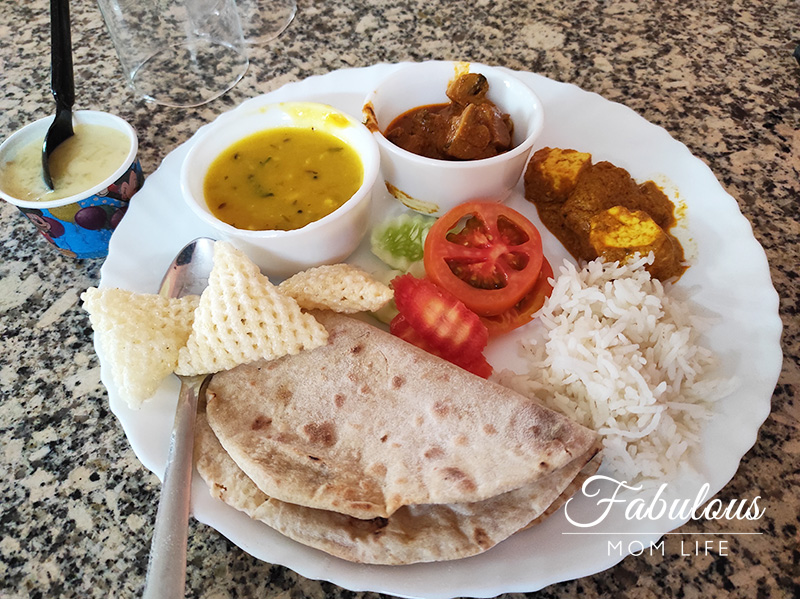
x,y
522,312
486,254
443,321
476,364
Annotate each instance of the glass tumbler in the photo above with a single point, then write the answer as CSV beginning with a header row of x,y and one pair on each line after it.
x,y
178,53
264,20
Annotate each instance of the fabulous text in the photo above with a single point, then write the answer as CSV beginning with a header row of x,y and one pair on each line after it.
x,y
657,507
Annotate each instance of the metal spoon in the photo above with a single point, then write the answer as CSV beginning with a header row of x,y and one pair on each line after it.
x,y
166,571
62,84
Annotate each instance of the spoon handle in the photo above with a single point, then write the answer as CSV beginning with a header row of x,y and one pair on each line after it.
x,y
62,81
166,571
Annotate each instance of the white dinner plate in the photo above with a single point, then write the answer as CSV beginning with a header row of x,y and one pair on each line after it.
x,y
729,278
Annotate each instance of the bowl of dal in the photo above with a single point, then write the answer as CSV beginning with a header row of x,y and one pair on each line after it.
x,y
289,183
95,173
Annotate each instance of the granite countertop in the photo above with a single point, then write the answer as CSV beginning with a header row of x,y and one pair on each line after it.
x,y
719,76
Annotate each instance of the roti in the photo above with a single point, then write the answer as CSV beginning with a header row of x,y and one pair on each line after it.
x,y
368,424
412,534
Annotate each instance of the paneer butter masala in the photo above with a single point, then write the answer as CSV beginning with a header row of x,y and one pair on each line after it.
x,y
599,210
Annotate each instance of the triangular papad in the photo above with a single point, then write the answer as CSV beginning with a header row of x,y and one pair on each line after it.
x,y
343,288
242,317
140,336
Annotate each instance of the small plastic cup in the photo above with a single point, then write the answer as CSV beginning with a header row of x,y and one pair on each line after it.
x,y
79,226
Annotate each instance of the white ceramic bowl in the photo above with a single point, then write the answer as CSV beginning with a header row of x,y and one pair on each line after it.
x,y
328,240
434,186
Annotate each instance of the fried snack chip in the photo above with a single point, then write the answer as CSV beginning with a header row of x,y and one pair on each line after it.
x,y
339,287
140,335
243,317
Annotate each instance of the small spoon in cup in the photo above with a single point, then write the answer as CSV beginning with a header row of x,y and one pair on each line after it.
x,y
62,84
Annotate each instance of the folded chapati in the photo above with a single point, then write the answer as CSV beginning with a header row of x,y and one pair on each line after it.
x,y
368,424
412,534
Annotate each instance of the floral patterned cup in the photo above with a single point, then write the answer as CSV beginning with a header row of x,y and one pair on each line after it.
x,y
79,226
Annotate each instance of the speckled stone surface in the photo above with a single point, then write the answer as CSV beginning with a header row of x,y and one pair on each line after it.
x,y
719,75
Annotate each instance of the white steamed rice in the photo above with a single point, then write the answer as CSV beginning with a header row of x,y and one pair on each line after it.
x,y
620,354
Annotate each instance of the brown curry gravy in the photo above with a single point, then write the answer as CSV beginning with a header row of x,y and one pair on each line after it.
x,y
599,210
469,127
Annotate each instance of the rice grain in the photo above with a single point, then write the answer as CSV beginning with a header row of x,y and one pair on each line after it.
x,y
617,352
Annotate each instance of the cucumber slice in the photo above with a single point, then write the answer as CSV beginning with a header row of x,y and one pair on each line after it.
x,y
399,241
